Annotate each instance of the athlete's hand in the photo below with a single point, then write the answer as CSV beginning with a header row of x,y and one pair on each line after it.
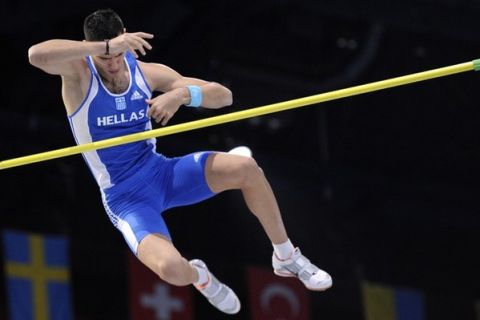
x,y
163,107
131,41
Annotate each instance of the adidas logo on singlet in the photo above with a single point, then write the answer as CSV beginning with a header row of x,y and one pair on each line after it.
x,y
136,96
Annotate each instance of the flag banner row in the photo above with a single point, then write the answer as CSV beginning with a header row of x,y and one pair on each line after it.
x,y
38,287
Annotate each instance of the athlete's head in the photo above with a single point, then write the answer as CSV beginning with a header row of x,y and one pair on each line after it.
x,y
102,24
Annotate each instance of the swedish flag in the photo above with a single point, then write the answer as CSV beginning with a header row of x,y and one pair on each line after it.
x,y
37,276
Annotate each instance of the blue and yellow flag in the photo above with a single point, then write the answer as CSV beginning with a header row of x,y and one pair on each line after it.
x,y
390,303
37,276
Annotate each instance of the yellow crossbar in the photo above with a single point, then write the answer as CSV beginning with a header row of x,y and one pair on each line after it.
x,y
240,115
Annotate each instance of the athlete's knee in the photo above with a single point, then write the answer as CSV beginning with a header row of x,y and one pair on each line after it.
x,y
248,171
173,271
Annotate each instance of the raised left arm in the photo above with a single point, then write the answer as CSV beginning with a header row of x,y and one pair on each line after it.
x,y
176,92
164,79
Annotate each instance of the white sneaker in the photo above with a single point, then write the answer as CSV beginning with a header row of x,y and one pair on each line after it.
x,y
218,294
299,266
241,151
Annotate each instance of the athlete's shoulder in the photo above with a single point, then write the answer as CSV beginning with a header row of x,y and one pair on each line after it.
x,y
76,85
159,76
158,68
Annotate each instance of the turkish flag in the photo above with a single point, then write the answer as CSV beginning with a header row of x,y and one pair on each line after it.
x,y
153,299
276,298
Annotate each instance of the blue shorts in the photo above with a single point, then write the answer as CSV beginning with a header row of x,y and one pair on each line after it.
x,y
135,206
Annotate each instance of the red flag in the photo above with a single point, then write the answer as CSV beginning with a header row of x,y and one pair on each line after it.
x,y
153,299
276,298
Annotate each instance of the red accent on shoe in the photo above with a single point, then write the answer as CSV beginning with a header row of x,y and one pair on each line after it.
x,y
203,285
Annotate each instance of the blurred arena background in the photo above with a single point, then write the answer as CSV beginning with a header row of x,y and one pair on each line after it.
x,y
381,187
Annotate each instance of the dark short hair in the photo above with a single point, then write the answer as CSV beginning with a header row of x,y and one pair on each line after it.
x,y
102,24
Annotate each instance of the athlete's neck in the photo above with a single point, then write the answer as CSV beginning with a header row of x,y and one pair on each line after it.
x,y
118,83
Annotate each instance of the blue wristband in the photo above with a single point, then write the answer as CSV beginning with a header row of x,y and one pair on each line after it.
x,y
195,96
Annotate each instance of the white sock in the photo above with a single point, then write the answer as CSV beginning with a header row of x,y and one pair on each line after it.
x,y
202,275
283,250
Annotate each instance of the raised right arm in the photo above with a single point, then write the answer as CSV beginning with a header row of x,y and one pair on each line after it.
x,y
61,57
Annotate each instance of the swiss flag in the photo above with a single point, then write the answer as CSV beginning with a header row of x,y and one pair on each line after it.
x,y
276,298
153,299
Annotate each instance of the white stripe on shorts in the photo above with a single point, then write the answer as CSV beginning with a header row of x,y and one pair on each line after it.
x,y
121,225
128,234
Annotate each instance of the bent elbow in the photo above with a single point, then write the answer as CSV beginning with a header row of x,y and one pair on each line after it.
x,y
35,57
225,94
228,98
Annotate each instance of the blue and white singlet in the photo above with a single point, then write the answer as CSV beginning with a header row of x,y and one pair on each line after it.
x,y
137,183
104,115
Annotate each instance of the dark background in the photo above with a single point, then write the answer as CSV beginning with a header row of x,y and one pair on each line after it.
x,y
382,186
